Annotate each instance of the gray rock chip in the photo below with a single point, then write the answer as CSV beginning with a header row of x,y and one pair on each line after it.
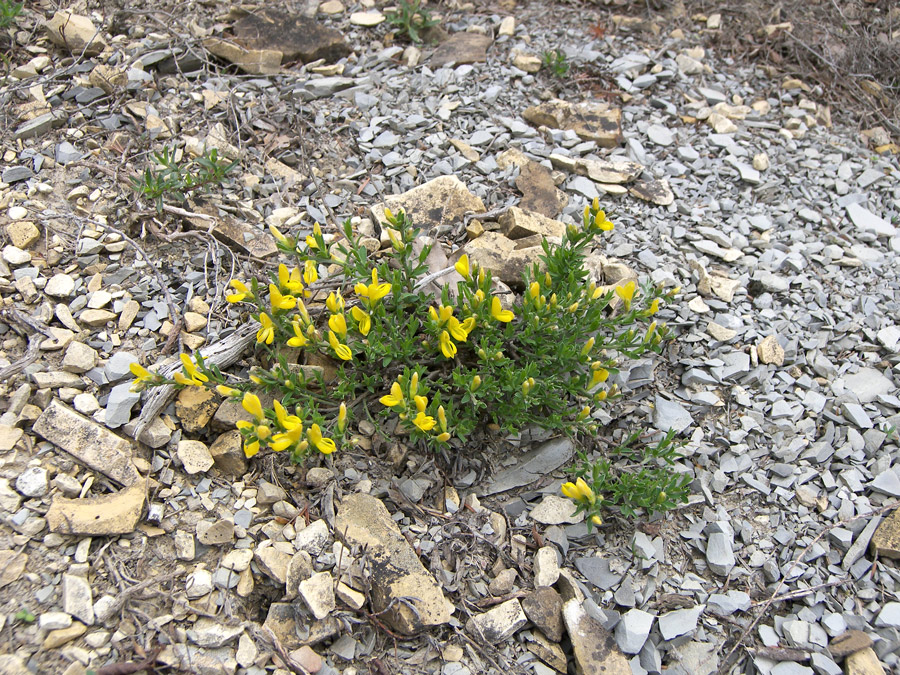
x,y
867,384
633,629
719,553
670,415
118,406
867,221
680,622
118,366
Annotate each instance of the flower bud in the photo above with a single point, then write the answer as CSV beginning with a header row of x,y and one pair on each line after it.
x,y
476,381
342,418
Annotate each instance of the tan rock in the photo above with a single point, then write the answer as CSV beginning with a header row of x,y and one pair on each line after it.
x,y
609,171
461,48
108,78
9,436
442,201
655,191
57,638
517,224
253,61
496,252
849,642
527,62
349,597
93,445
395,569
761,161
12,565
543,607
499,623
591,121
886,540
228,453
594,646
555,510
507,26
510,157
117,513
331,7
770,352
547,651
720,332
539,191
23,234
863,662
128,315
96,317
194,322
75,32
195,407
464,148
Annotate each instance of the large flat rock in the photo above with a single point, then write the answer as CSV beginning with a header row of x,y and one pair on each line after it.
x,y
394,569
88,442
442,201
296,37
591,121
117,513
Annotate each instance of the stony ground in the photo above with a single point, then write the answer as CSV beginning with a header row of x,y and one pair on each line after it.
x,y
773,211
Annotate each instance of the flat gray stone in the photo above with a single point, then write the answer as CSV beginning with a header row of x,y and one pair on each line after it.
x,y
868,384
118,406
867,221
670,415
633,629
680,622
719,553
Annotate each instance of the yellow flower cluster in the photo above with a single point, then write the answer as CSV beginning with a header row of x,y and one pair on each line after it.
x,y
580,491
449,326
289,433
398,401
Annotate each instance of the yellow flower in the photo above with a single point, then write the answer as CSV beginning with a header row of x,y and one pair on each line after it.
x,y
263,432
287,422
443,438
251,448
626,292
414,384
338,324
395,398
225,391
424,422
242,292
252,405
462,266
277,234
598,376
279,301
570,491
335,303
373,292
534,290
310,273
448,347
363,320
287,439
602,223
597,520
140,373
291,281
342,418
343,351
311,238
299,339
388,214
191,369
588,346
266,333
478,298
586,493
442,418
476,383
583,413
421,402
324,445
654,307
500,314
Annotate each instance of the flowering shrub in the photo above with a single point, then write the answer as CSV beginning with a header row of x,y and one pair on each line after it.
x,y
437,370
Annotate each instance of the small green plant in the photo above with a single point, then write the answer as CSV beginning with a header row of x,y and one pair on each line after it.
x,y
438,370
24,615
8,12
411,19
556,61
647,482
171,180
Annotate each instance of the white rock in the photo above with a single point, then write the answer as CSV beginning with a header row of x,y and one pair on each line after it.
x,y
16,256
312,538
546,566
367,19
660,135
77,598
862,218
32,482
198,583
54,620
195,456
679,622
60,286
318,594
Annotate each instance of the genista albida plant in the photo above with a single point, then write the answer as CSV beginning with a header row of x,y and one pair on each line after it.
x,y
470,362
